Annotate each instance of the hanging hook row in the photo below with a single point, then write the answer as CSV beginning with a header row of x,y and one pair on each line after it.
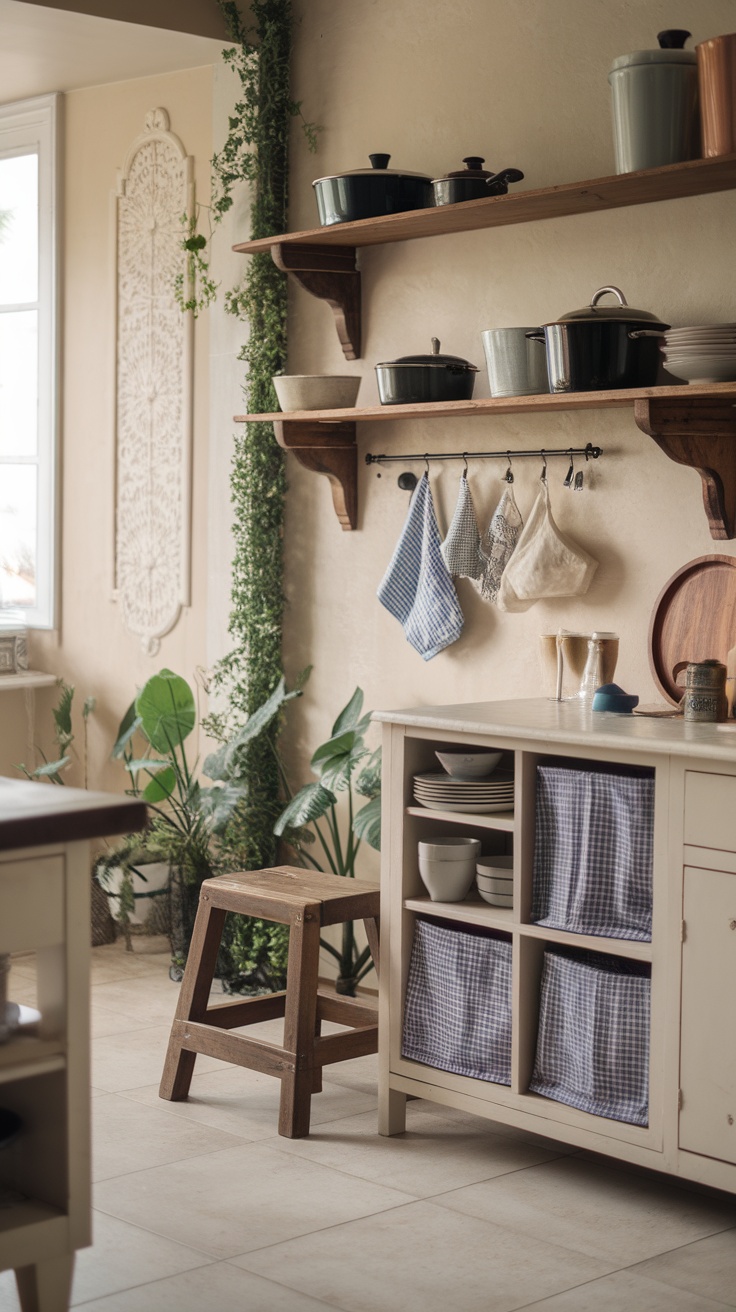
x,y
590,452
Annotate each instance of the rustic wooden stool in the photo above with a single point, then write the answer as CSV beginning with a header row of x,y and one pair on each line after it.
x,y
305,900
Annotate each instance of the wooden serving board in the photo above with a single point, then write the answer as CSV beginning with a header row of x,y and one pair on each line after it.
x,y
694,619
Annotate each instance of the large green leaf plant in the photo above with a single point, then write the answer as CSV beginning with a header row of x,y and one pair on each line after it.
x,y
313,821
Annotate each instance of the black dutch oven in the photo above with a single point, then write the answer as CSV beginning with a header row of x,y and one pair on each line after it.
x,y
473,182
413,379
602,347
370,193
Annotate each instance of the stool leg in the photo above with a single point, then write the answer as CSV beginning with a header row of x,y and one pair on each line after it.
x,y
372,930
193,996
300,1021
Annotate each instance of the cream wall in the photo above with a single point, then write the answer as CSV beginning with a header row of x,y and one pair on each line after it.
x,y
524,85
92,649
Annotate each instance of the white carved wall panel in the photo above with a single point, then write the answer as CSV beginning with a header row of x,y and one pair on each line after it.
x,y
154,385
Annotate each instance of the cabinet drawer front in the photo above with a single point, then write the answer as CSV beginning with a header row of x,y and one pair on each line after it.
x,y
32,899
710,810
708,1052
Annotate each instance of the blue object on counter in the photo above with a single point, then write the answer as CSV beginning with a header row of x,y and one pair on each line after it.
x,y
610,697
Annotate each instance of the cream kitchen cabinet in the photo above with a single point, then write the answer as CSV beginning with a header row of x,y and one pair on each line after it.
x,y
44,1065
692,1045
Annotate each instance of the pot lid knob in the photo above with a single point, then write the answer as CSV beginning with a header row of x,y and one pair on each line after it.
x,y
615,291
379,161
673,38
435,346
474,162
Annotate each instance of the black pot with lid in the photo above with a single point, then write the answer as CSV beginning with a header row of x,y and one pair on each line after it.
x,y
602,347
371,193
473,182
414,379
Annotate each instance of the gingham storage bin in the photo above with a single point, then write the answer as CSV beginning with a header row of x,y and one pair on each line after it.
x,y
593,1039
457,1015
593,851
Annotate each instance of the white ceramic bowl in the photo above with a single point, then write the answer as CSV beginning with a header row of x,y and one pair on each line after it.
x,y
488,885
316,391
468,765
496,899
450,849
496,866
447,881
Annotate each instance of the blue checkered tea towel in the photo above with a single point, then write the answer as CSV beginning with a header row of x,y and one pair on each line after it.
x,y
593,1039
417,588
457,1015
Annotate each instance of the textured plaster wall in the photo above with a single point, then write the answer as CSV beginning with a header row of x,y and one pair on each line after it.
x,y
91,649
524,85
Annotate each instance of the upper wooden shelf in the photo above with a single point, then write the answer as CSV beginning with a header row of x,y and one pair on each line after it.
x,y
671,182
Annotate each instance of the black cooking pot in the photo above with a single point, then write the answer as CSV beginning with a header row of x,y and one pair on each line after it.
x,y
413,379
473,182
370,193
602,347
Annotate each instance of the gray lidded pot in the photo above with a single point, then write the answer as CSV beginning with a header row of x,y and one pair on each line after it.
x,y
655,105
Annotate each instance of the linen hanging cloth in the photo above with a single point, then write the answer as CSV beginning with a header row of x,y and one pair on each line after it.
x,y
545,564
461,547
498,545
417,588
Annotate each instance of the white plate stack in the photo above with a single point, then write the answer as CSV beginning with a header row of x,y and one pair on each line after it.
x,y
442,792
704,354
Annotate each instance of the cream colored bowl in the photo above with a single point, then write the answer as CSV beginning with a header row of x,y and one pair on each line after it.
x,y
316,391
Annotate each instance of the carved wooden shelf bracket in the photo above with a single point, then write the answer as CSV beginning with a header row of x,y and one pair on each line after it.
x,y
329,273
701,433
326,449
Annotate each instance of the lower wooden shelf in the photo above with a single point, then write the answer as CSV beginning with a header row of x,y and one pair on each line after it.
x,y
473,911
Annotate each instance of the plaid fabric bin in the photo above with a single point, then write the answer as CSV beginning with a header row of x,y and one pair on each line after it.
x,y
457,1015
593,1040
593,851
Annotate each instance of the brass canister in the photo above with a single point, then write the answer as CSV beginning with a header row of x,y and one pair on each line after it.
x,y
705,692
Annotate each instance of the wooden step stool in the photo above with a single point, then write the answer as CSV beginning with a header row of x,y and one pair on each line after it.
x,y
305,900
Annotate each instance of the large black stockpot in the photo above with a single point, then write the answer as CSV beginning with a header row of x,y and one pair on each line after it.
x,y
370,193
601,348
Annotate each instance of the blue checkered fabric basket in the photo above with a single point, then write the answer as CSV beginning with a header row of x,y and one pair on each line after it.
x,y
457,1015
593,852
593,1039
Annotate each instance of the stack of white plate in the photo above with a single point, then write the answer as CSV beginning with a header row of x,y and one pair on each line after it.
x,y
442,792
705,354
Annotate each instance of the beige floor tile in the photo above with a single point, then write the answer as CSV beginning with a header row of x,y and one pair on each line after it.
x,y
706,1267
112,962
127,1136
421,1259
220,1287
121,1255
133,1058
147,999
433,1156
246,1102
104,1022
230,1202
594,1209
625,1292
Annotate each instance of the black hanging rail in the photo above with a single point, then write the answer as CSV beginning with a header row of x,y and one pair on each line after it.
x,y
590,452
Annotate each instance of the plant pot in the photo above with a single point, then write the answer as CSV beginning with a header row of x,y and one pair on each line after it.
x,y
150,883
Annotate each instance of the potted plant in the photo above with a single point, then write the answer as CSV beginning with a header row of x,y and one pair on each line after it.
x,y
312,819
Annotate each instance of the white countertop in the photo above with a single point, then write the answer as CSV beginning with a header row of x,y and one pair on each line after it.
x,y
546,721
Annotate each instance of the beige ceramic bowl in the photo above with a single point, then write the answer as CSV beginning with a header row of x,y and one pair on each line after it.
x,y
496,867
316,391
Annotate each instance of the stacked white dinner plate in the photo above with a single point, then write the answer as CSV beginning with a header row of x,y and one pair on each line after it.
x,y
704,354
442,792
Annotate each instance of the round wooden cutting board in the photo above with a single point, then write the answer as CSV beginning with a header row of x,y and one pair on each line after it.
x,y
694,619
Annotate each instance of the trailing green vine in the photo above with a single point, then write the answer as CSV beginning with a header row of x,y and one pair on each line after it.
x,y
256,151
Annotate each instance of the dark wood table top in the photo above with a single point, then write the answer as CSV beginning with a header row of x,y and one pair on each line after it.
x,y
33,814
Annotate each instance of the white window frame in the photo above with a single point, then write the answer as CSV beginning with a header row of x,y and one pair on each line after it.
x,y
27,126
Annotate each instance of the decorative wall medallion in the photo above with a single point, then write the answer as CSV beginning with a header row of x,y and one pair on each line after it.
x,y
154,385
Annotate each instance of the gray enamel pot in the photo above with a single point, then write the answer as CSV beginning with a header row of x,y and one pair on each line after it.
x,y
602,348
371,193
415,379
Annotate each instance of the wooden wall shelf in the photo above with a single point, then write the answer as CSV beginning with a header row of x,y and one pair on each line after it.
x,y
693,425
323,260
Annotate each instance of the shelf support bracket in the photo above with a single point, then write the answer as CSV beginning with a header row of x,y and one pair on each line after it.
x,y
330,273
700,433
327,449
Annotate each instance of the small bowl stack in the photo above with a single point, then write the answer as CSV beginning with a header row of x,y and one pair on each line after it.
x,y
704,354
447,867
495,880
